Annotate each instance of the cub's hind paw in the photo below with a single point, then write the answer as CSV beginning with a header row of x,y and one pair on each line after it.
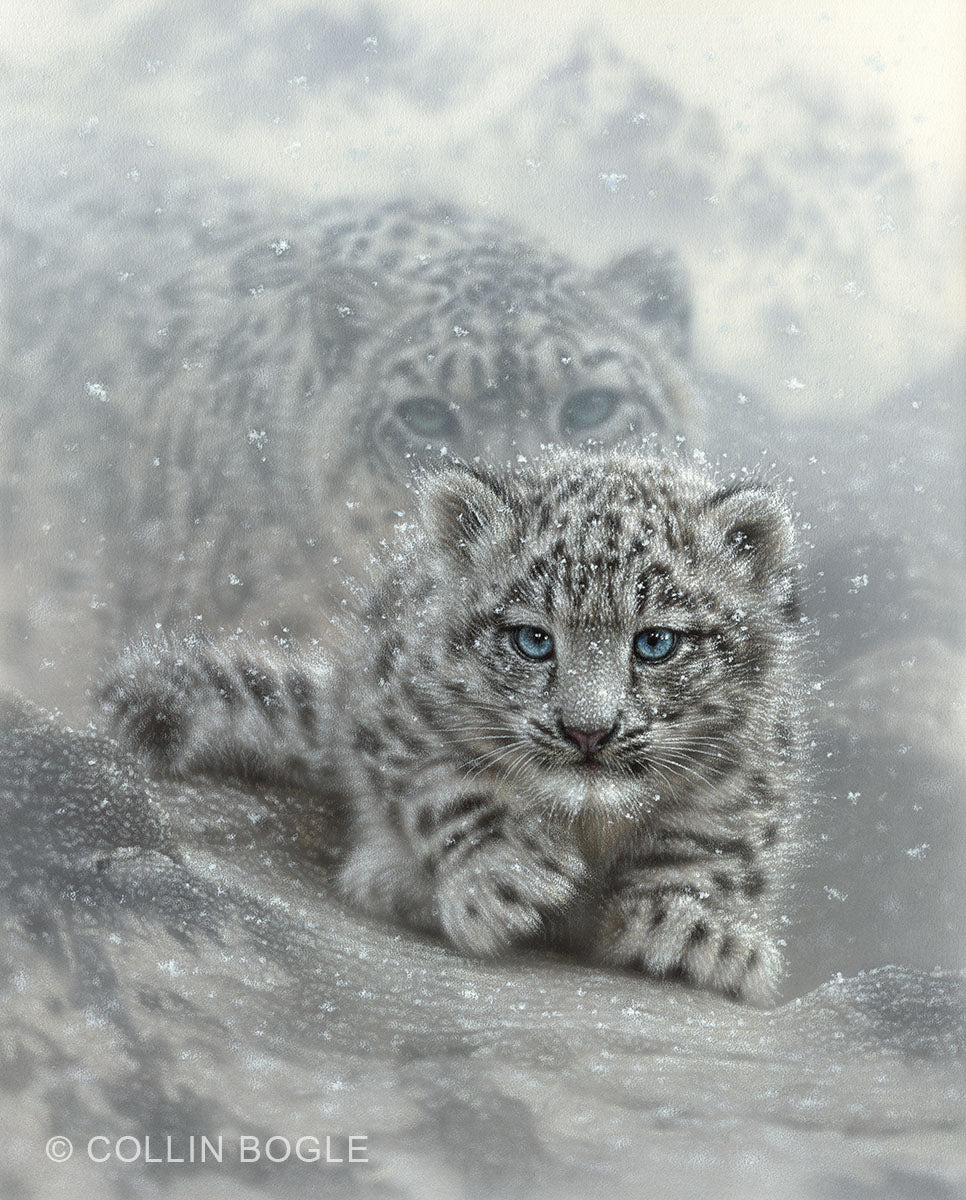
x,y
678,937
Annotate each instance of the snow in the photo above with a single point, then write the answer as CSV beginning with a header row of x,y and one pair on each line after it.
x,y
160,945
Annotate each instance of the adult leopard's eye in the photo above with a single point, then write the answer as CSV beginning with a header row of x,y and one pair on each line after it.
x,y
655,645
429,418
588,409
532,642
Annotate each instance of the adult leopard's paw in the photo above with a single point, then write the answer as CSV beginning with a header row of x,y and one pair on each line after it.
x,y
674,936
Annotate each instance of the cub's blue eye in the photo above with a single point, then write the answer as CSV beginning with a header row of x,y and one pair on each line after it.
x,y
654,645
588,409
532,642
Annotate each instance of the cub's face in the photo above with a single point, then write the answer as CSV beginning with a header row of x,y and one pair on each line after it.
x,y
620,629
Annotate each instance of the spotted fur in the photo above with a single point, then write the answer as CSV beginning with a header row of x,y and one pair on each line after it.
x,y
229,440
636,811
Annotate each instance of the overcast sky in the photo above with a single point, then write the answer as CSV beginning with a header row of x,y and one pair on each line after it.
x,y
907,54
459,119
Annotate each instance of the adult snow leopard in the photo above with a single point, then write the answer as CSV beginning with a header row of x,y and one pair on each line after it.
x,y
569,715
228,436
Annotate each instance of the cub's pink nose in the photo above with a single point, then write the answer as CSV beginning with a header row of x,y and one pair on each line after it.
x,y
589,740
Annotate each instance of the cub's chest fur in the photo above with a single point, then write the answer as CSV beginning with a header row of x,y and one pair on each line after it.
x,y
594,818
601,831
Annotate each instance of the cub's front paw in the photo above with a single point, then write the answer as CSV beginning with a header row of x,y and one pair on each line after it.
x,y
677,936
505,894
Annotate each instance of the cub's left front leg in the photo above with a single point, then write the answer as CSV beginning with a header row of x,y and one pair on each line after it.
x,y
691,910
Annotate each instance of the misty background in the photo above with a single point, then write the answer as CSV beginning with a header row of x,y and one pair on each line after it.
x,y
807,164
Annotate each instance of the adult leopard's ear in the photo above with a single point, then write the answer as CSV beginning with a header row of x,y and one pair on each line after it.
x,y
652,284
462,508
754,525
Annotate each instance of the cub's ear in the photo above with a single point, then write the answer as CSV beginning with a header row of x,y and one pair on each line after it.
x,y
462,508
652,284
754,524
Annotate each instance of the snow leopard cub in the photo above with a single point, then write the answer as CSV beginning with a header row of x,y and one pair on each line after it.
x,y
568,718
